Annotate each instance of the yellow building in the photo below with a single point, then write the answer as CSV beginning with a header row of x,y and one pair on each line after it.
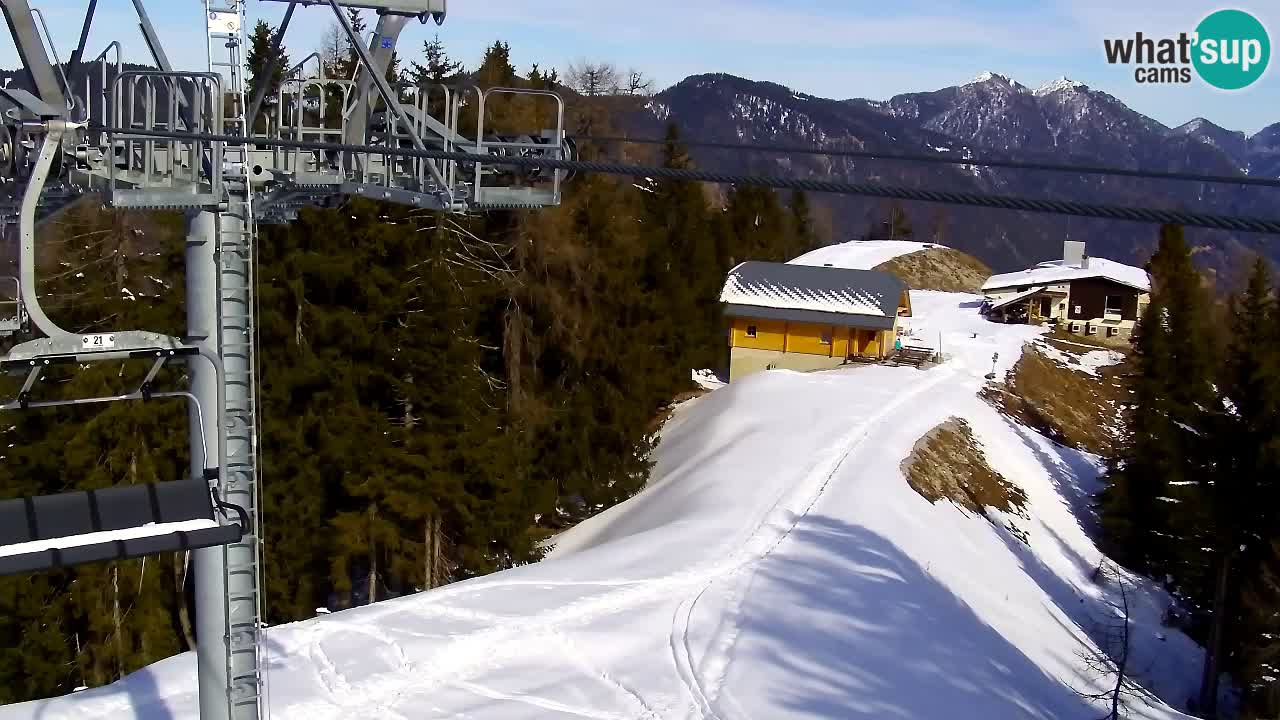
x,y
802,317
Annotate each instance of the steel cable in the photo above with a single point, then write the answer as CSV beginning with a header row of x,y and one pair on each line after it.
x,y
944,159
1187,218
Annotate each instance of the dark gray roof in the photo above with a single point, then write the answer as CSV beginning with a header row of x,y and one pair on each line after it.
x,y
809,289
870,322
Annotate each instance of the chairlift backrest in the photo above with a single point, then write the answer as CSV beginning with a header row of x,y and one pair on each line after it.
x,y
54,531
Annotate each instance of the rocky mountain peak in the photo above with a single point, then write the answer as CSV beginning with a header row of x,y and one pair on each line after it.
x,y
1233,143
1062,84
995,79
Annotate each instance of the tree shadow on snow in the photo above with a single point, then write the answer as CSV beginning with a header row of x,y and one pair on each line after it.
x,y
858,629
1072,474
145,699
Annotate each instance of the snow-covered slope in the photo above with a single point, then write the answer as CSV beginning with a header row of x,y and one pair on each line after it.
x,y
778,566
860,254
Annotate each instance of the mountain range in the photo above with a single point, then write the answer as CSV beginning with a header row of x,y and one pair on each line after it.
x,y
1064,121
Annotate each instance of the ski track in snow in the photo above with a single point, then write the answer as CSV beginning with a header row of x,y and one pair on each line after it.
x,y
817,479
633,698
339,687
461,659
536,701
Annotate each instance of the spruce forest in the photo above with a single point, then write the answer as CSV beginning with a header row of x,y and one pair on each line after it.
x,y
439,393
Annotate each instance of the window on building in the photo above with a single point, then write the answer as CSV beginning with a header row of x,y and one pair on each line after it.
x,y
826,337
751,331
1115,304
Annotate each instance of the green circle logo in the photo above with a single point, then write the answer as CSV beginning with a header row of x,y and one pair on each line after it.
x,y
1232,49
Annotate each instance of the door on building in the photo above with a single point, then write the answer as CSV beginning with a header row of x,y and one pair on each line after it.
x,y
866,342
857,342
1046,307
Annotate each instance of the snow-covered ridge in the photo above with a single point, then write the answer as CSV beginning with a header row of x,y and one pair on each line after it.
x,y
862,254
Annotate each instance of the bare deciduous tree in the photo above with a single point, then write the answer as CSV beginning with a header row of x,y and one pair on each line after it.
x,y
1111,661
333,48
638,83
593,78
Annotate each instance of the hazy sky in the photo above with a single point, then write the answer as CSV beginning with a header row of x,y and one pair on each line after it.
x,y
831,48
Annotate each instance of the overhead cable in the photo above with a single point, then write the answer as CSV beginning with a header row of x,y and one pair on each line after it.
x,y
1187,218
947,158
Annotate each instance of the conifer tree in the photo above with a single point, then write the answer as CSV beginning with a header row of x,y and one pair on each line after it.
x,y
1260,635
758,225
682,271
801,225
1153,507
260,56
1134,517
1246,487
438,67
1242,501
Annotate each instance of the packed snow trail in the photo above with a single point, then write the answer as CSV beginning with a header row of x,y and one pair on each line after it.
x,y
777,566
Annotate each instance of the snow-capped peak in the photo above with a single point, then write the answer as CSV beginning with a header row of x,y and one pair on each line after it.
x,y
997,80
988,76
1195,125
1062,83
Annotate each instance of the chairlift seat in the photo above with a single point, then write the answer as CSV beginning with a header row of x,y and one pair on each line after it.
x,y
55,531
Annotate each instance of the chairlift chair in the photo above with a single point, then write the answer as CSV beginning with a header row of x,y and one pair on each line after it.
x,y
56,531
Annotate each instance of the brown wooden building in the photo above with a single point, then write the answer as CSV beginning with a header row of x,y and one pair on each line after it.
x,y
1095,297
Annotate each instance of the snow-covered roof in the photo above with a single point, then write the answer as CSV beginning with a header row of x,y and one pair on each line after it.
x,y
843,291
861,254
1057,271
1015,298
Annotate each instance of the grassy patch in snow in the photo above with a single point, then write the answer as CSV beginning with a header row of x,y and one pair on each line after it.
x,y
948,464
1073,408
939,269
663,415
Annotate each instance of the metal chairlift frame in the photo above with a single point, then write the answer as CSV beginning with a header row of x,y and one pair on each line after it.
x,y
89,141
11,321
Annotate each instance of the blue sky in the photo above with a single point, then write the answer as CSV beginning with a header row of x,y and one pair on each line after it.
x,y
832,48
